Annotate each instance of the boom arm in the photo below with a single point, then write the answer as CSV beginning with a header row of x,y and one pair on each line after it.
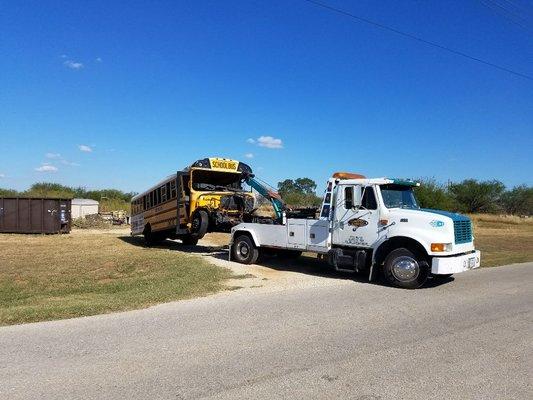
x,y
272,196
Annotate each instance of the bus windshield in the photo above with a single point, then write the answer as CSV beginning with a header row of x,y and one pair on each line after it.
x,y
205,180
398,196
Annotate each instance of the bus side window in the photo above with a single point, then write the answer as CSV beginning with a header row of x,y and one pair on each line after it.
x,y
167,188
173,189
163,191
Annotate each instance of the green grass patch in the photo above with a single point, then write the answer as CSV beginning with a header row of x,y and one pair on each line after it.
x,y
503,239
86,273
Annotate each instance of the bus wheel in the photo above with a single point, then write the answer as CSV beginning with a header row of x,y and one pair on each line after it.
x,y
244,250
403,269
189,240
200,222
152,238
148,236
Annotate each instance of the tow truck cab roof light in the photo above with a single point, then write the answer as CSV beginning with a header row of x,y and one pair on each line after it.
x,y
347,175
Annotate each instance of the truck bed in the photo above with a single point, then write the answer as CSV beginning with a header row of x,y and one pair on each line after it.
x,y
296,234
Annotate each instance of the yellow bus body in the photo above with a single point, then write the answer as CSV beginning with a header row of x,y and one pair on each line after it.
x,y
156,210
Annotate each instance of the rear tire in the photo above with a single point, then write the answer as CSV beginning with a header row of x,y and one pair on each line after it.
x,y
403,269
244,250
153,238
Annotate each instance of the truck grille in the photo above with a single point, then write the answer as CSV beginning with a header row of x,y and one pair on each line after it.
x,y
463,231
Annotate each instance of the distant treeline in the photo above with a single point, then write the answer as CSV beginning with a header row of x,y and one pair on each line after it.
x,y
468,196
110,199
472,196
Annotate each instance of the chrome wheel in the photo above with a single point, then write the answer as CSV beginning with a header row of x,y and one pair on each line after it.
x,y
405,269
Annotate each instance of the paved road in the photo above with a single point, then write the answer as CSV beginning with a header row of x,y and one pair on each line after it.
x,y
468,339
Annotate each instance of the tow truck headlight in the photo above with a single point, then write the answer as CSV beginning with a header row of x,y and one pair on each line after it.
x,y
440,247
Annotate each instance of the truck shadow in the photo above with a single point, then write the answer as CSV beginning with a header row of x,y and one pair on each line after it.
x,y
306,264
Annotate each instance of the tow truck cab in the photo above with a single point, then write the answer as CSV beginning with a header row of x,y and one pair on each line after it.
x,y
370,225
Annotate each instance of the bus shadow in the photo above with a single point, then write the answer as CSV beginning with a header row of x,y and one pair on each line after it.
x,y
172,245
306,264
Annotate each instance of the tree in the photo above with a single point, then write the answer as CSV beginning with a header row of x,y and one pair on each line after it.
x,y
472,196
431,194
8,193
285,187
299,192
48,189
305,185
518,201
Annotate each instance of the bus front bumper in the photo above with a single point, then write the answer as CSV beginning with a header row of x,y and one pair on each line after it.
x,y
455,264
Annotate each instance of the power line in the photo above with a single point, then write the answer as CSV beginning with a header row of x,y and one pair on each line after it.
x,y
419,39
520,7
506,13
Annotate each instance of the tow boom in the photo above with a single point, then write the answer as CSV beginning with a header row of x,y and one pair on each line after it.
x,y
275,199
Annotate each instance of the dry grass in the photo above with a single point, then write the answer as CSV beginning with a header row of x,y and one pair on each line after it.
x,y
44,277
503,239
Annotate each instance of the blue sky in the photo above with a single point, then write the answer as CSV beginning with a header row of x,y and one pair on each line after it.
x,y
149,87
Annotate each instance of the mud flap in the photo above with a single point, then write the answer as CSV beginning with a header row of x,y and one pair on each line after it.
x,y
374,272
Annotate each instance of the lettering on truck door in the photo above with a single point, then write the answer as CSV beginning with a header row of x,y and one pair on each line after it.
x,y
356,216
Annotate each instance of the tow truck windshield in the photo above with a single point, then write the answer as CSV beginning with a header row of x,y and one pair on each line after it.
x,y
398,196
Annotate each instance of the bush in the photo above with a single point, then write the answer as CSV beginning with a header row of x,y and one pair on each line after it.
x,y
518,201
471,196
431,194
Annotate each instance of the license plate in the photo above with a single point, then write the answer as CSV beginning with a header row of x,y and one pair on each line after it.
x,y
471,262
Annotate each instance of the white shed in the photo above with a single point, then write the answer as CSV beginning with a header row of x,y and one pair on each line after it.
x,y
83,207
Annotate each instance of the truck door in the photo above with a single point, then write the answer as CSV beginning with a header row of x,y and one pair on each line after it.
x,y
356,216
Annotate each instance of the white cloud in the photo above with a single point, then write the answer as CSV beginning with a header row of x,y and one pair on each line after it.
x,y
99,59
85,148
72,164
249,155
52,155
2,176
46,168
270,142
73,64
250,140
63,56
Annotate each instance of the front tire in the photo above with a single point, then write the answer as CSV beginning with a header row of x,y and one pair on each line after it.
x,y
244,250
404,269
189,240
200,222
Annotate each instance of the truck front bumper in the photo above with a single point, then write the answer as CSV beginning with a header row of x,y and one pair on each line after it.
x,y
455,264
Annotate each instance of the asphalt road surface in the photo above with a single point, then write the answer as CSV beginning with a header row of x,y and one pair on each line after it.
x,y
471,338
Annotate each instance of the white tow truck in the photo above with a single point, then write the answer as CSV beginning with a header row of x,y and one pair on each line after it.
x,y
368,225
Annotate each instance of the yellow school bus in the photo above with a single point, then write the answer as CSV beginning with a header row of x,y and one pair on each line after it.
x,y
207,196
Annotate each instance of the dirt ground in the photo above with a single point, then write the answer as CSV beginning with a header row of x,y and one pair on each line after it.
x,y
273,274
